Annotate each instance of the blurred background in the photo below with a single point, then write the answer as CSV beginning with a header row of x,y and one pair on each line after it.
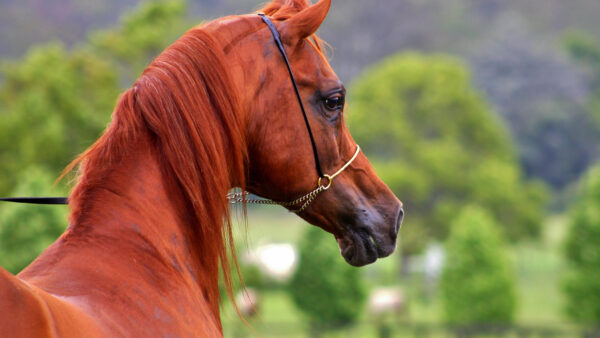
x,y
483,116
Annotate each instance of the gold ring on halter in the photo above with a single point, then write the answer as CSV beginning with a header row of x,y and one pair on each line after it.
x,y
331,177
329,180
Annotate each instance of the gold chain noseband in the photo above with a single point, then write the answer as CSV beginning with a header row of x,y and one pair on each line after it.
x,y
305,200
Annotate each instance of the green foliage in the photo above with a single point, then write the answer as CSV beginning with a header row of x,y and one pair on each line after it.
x,y
582,251
253,277
56,103
477,284
26,230
435,142
324,287
585,49
143,34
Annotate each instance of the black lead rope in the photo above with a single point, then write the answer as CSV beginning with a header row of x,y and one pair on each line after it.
x,y
277,39
37,200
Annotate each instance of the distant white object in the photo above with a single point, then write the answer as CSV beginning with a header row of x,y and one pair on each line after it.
x,y
277,261
247,301
433,261
386,300
430,262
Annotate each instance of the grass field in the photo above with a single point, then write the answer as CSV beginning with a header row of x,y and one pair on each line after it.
x,y
538,267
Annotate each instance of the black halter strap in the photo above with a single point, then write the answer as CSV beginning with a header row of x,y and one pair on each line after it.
x,y
277,38
279,44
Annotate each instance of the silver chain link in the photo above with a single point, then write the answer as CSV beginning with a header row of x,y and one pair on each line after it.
x,y
306,200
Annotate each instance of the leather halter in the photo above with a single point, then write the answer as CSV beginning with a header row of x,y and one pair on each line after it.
x,y
303,201
279,44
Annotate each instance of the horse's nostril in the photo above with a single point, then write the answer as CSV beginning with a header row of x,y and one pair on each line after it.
x,y
399,219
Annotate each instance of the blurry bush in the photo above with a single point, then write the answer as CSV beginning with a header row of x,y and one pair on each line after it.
x,y
142,35
252,276
434,140
26,230
582,250
477,285
55,102
324,287
584,48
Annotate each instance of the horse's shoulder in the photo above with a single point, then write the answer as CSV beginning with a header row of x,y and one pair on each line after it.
x,y
25,314
31,312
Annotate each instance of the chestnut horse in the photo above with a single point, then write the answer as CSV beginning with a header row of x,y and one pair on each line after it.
x,y
150,223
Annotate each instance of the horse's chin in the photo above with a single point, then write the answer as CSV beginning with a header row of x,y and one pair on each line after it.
x,y
358,248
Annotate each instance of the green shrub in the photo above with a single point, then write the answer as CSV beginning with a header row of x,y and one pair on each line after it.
x,y
55,101
477,284
582,281
26,230
324,287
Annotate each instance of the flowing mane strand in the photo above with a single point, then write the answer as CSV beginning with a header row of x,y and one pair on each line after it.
x,y
186,104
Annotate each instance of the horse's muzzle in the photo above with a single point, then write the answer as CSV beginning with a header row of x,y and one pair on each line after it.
x,y
374,238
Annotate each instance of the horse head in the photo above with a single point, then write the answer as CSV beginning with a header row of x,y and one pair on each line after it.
x,y
357,207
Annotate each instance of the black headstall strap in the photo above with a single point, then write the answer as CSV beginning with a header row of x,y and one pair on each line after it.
x,y
279,44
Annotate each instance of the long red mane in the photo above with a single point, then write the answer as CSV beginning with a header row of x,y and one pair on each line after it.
x,y
187,105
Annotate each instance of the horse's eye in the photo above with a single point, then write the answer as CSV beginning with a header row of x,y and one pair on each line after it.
x,y
334,102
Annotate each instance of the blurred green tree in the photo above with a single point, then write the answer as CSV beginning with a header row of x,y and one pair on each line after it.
x,y
26,230
141,36
585,50
581,284
477,285
324,287
54,103
436,143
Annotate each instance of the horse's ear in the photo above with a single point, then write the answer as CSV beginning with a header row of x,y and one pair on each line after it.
x,y
305,23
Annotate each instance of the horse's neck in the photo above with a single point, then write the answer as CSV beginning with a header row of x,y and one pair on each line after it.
x,y
132,233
